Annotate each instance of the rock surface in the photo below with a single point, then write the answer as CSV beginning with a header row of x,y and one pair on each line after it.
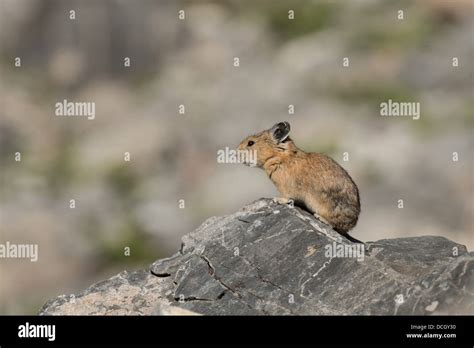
x,y
276,259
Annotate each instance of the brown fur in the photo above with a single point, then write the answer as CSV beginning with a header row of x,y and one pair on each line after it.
x,y
311,179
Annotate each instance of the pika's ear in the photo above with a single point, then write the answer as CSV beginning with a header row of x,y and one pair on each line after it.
x,y
280,131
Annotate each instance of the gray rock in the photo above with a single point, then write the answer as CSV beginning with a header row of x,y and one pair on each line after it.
x,y
137,293
163,309
275,259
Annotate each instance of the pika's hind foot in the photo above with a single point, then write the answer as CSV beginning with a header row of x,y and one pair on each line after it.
x,y
284,200
320,218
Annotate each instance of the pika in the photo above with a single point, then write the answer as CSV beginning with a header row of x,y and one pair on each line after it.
x,y
310,179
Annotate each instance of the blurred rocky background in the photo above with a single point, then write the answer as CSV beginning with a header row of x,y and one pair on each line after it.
x,y
173,156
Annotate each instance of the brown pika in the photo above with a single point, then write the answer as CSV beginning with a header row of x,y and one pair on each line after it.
x,y
310,179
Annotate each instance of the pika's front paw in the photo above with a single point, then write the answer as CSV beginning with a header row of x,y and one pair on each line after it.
x,y
284,200
320,218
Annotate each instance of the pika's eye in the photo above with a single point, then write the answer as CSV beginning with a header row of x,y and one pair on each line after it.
x,y
251,142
